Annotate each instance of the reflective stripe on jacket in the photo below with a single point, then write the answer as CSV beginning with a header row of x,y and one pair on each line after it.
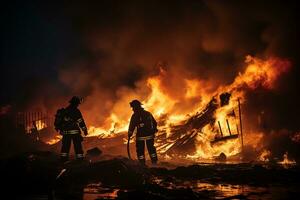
x,y
72,132
145,138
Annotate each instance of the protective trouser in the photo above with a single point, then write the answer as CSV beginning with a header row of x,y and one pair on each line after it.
x,y
140,150
66,144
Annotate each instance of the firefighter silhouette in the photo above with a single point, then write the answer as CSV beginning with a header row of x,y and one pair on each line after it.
x,y
68,122
34,131
146,129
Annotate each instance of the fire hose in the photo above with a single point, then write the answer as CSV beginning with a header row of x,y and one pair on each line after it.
x,y
128,148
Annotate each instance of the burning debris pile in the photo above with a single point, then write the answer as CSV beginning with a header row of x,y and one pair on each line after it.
x,y
207,129
202,121
217,128
183,136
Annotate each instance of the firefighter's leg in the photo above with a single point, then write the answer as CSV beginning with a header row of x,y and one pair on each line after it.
x,y
77,139
152,150
65,148
140,151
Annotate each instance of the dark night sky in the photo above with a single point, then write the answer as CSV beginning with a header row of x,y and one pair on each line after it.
x,y
34,42
40,40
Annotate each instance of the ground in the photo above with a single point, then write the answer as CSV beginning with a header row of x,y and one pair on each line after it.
x,y
41,175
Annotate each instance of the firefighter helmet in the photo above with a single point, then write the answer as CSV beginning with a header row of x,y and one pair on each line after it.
x,y
75,100
135,104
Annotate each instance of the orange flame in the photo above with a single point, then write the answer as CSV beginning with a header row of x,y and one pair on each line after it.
x,y
286,160
172,110
54,140
262,72
40,125
265,156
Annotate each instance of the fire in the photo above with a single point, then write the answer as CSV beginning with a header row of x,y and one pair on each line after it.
x,y
40,125
117,126
205,150
286,160
159,102
257,73
262,72
172,110
54,140
102,133
265,156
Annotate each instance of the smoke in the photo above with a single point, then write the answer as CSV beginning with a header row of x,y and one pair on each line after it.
x,y
124,43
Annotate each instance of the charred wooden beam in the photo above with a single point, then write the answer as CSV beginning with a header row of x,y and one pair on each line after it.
x,y
220,128
182,143
228,127
225,138
241,127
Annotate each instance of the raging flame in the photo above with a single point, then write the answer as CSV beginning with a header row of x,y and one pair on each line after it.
x,y
159,102
257,73
117,126
261,72
169,109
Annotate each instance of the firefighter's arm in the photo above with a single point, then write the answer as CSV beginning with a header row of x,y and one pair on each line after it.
x,y
154,123
132,125
81,123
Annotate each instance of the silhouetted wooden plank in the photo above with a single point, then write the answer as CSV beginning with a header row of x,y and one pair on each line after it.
x,y
224,138
228,126
220,129
241,127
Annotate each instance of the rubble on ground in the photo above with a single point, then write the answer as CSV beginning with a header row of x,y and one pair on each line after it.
x,y
42,173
